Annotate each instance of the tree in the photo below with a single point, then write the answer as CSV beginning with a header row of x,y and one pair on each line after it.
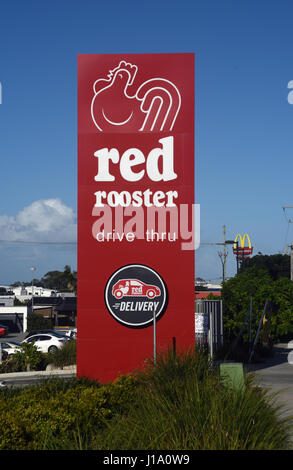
x,y
260,286
63,281
38,322
277,265
60,280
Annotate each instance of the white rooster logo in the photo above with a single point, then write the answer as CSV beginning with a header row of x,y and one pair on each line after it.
x,y
119,103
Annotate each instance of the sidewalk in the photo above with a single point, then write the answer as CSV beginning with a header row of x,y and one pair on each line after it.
x,y
40,373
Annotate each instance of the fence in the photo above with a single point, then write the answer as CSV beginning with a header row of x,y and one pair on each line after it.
x,y
209,324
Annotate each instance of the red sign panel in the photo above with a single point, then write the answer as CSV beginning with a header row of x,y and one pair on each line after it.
x,y
135,209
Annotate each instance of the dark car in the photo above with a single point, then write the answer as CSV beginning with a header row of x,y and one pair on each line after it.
x,y
40,332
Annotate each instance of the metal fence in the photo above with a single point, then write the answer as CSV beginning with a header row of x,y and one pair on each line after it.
x,y
209,324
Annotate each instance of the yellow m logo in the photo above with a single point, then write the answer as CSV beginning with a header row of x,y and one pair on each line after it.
x,y
242,240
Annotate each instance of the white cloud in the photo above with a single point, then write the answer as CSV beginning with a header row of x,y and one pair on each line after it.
x,y
47,220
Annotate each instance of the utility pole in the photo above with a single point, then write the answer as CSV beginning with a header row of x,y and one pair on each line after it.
x,y
33,269
223,255
291,263
290,221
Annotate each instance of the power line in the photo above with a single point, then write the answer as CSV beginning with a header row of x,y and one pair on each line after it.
x,y
23,242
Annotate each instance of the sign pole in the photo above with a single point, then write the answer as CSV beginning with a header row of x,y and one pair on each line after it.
x,y
155,338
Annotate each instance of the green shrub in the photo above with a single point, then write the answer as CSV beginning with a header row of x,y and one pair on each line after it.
x,y
66,356
182,405
9,365
29,358
179,403
47,416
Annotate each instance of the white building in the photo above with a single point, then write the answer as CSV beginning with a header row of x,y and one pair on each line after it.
x,y
25,293
6,300
207,285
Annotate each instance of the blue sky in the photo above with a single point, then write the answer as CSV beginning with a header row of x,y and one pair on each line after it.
x,y
244,123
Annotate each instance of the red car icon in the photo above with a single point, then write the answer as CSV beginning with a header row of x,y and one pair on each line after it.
x,y
134,288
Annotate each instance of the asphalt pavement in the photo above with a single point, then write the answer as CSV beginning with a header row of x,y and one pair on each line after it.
x,y
276,375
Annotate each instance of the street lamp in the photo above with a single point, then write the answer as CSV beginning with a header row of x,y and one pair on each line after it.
x,y
33,269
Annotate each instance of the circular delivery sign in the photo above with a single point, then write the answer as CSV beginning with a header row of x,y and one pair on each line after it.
x,y
134,294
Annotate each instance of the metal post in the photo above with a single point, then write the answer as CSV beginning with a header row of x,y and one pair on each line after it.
x,y
0,353
211,332
291,263
155,338
221,323
224,253
237,257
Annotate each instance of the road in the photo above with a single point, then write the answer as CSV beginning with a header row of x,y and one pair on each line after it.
x,y
276,374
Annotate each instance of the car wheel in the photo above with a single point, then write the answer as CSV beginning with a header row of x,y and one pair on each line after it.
x,y
151,294
118,294
52,349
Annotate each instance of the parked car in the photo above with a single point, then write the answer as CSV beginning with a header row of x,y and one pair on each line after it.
x,y
72,333
4,330
50,332
46,343
10,347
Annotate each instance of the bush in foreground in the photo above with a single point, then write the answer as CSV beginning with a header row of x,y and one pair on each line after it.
x,y
42,417
178,404
183,405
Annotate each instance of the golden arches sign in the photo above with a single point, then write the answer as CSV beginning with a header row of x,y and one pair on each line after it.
x,y
242,251
242,240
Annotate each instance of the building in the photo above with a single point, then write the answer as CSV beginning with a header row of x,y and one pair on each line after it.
x,y
6,300
60,310
25,293
203,289
14,317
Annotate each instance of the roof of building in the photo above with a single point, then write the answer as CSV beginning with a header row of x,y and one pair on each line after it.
x,y
205,293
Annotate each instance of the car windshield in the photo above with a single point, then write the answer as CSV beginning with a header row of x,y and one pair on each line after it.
x,y
43,332
54,333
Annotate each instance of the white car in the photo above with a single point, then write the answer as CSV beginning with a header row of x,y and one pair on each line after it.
x,y
10,347
46,343
72,333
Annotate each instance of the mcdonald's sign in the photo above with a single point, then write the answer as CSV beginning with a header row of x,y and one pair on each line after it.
x,y
241,251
